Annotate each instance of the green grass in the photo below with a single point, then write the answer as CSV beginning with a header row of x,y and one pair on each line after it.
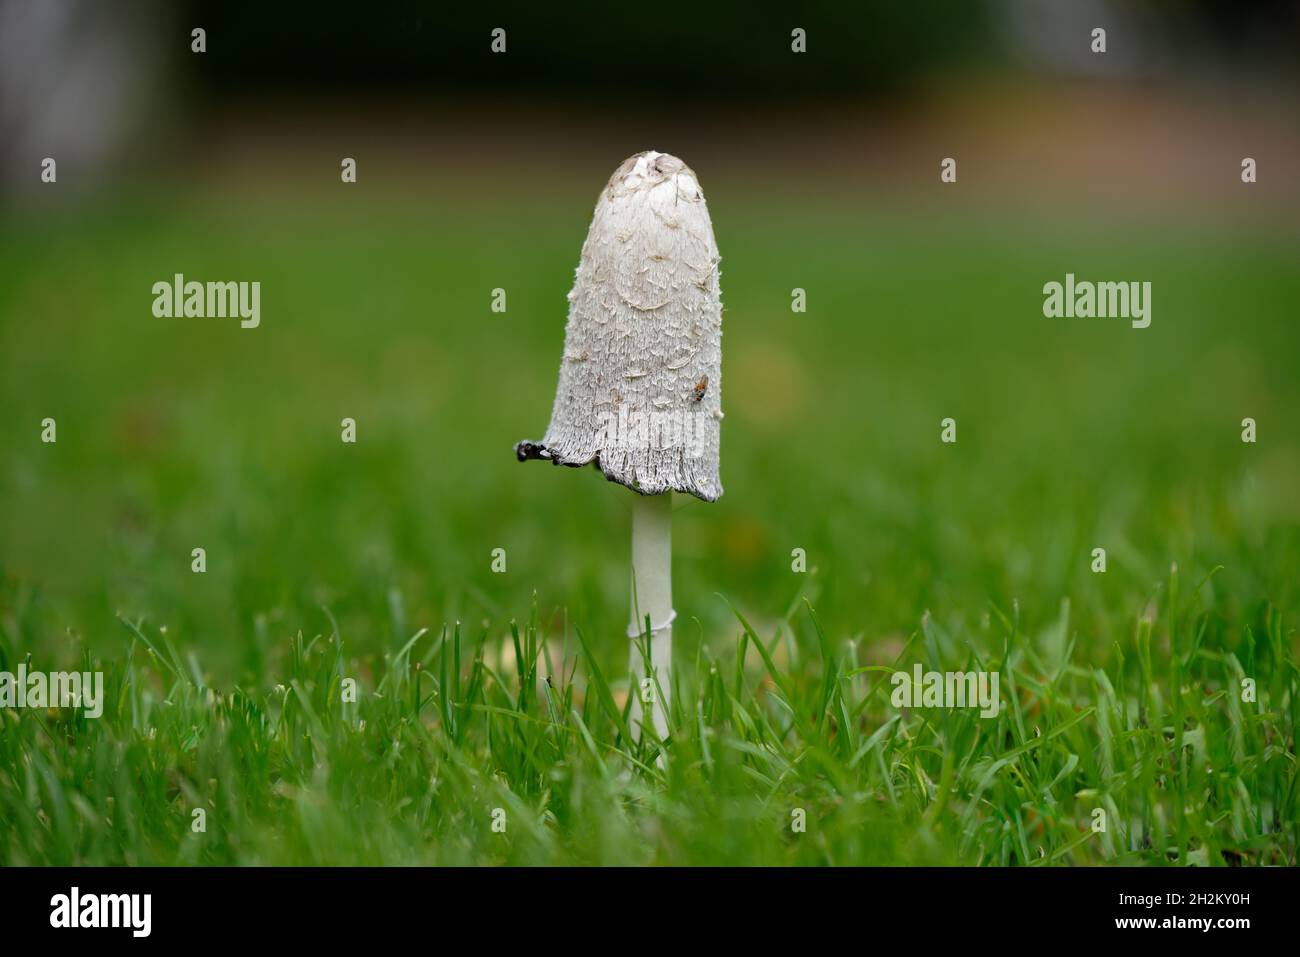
x,y
372,561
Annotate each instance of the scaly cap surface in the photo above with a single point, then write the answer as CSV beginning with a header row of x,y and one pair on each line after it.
x,y
641,375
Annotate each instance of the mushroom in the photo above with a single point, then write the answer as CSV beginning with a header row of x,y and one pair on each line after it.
x,y
640,376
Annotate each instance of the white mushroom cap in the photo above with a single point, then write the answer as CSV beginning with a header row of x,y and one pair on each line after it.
x,y
640,380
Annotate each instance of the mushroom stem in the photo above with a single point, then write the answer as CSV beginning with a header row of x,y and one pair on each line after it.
x,y
652,594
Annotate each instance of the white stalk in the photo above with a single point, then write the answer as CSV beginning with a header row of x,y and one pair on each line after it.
x,y
652,594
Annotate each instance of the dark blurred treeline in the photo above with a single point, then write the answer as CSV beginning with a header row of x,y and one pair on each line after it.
x,y
624,47
657,50
89,81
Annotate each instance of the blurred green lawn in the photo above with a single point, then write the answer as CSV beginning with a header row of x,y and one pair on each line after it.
x,y
1072,434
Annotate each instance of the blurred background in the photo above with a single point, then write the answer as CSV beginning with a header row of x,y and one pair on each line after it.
x,y
478,171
